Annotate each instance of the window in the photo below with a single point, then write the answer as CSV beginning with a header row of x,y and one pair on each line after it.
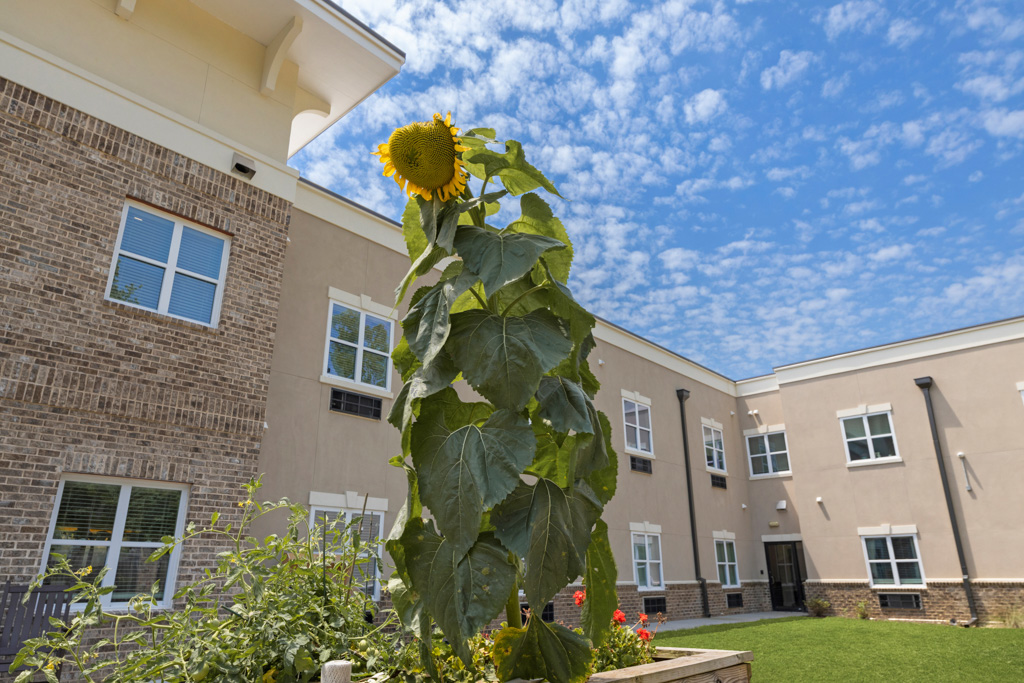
x,y
101,522
899,600
718,482
647,560
638,464
893,560
768,454
655,605
869,437
369,528
725,557
358,346
162,264
355,404
637,418
714,448
733,600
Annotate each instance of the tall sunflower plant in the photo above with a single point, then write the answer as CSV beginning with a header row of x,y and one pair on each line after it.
x,y
515,483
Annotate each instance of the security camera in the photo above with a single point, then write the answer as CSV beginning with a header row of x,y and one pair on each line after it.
x,y
243,166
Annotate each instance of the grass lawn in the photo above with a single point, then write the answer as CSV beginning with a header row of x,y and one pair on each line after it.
x,y
838,649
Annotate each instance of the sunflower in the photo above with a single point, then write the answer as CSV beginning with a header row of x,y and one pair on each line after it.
x,y
423,158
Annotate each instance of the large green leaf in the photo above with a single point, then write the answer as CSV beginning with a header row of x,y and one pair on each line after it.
x,y
553,460
516,174
585,510
421,266
504,357
468,468
603,481
424,381
407,604
415,241
538,219
592,450
462,591
535,522
426,324
602,600
564,405
548,651
500,257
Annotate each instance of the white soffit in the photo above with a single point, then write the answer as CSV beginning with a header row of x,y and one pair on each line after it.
x,y
340,60
757,385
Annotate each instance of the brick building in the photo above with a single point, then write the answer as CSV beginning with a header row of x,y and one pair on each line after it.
x,y
167,335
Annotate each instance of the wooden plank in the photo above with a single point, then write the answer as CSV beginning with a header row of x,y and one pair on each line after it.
x,y
734,674
683,663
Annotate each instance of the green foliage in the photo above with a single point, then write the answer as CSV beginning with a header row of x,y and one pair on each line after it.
x,y
502,318
265,613
862,610
623,648
817,607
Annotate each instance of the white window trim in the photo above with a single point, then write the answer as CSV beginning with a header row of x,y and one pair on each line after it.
x,y
114,547
871,447
1020,388
710,424
718,565
356,385
768,453
171,267
349,513
892,561
661,562
645,402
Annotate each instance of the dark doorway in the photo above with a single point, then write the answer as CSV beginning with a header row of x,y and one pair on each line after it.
x,y
786,575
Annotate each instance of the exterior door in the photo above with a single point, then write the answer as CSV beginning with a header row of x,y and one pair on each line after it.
x,y
786,574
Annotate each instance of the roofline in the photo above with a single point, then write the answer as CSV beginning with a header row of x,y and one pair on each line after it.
x,y
348,15
345,200
902,342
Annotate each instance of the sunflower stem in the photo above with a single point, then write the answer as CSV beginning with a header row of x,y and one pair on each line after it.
x,y
478,297
523,296
480,213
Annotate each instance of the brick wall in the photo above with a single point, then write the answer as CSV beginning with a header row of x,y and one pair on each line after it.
x,y
940,601
93,386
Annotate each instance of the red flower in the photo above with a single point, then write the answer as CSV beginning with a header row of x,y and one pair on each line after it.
x,y
619,617
644,634
643,618
579,597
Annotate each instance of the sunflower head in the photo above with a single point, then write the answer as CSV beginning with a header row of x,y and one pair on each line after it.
x,y
423,158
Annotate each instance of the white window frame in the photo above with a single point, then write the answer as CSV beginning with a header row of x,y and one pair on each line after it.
x,y
350,514
893,562
171,267
357,384
705,428
647,536
772,472
872,459
650,431
725,543
116,541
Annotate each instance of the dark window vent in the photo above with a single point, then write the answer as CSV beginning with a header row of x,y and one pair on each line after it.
x,y
653,606
546,615
355,404
900,600
718,481
645,465
734,600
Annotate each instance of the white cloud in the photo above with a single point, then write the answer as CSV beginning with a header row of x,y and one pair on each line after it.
x,y
975,177
914,179
1002,122
791,66
892,253
704,106
854,15
834,87
903,32
780,174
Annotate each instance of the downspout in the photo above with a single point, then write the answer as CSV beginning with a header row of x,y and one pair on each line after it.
x,y
682,395
925,384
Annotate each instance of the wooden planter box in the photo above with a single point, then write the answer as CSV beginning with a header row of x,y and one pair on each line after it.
x,y
679,665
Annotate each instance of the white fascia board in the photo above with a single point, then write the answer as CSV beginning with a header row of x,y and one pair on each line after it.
x,y
757,385
945,342
69,84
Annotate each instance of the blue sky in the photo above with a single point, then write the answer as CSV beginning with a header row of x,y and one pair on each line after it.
x,y
752,182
